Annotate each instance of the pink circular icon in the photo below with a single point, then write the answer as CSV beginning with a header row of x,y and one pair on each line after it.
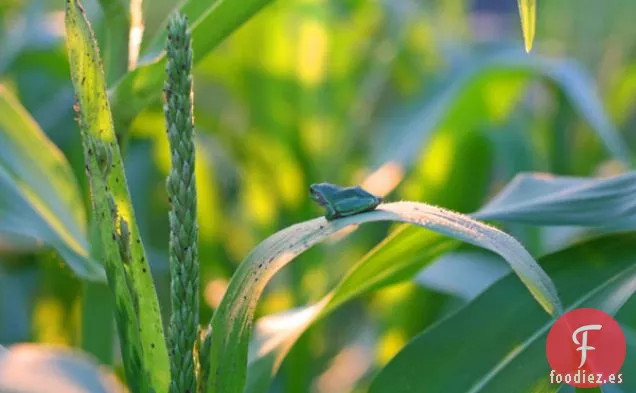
x,y
586,348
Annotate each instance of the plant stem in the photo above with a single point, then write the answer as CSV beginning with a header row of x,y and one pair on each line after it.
x,y
184,232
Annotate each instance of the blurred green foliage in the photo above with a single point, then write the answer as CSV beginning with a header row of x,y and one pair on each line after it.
x,y
432,101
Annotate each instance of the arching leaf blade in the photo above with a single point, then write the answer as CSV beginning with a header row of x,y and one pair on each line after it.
x,y
233,321
401,141
131,283
599,274
40,196
526,199
212,22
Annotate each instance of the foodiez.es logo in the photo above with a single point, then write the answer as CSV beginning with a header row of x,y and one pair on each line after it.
x,y
586,348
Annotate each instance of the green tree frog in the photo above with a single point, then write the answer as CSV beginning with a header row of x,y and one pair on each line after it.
x,y
343,201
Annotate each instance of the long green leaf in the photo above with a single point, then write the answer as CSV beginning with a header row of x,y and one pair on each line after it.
x,y
465,89
467,352
134,285
211,23
401,255
232,323
559,200
40,197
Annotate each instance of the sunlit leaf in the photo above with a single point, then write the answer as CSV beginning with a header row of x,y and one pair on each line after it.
x,y
40,197
232,323
454,171
211,23
403,138
511,352
407,249
29,368
528,14
137,307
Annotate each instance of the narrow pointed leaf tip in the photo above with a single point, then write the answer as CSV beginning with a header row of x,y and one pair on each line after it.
x,y
528,14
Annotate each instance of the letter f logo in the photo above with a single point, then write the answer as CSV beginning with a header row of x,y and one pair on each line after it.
x,y
586,329
583,345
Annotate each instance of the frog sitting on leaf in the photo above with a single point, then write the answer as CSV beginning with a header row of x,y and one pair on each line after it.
x,y
343,201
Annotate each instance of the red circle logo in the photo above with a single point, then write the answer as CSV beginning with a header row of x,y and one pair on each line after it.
x,y
586,348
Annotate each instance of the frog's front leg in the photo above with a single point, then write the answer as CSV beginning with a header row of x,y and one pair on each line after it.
x,y
331,212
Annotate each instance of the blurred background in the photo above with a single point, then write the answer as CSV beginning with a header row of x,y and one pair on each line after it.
x,y
427,100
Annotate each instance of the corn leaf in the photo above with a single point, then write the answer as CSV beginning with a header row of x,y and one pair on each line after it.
x,y
232,323
129,277
599,274
407,249
211,23
40,197
469,88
